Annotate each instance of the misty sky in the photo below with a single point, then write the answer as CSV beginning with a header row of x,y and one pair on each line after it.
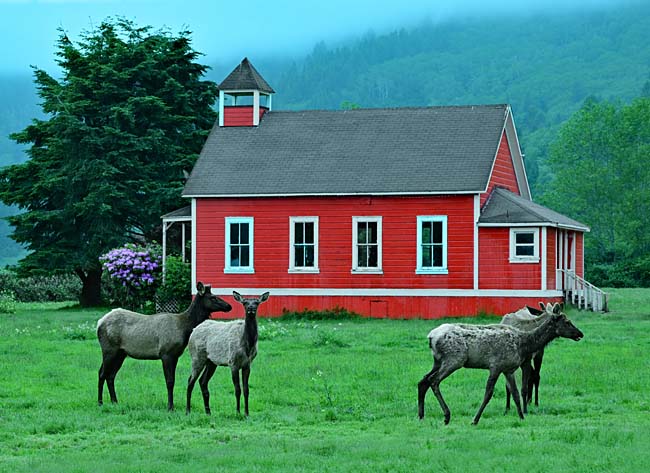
x,y
228,31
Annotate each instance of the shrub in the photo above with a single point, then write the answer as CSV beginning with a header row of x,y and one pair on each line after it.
x,y
132,275
177,283
7,302
47,288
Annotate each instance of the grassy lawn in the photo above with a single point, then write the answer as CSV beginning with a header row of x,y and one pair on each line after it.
x,y
325,396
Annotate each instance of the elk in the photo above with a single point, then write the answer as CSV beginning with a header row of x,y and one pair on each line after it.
x,y
163,336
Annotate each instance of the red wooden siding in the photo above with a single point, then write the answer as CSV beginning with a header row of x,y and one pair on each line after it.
x,y
551,262
580,254
240,116
335,214
495,269
392,307
503,172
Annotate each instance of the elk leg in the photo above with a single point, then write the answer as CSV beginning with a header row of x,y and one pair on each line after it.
x,y
489,390
423,387
112,365
169,369
245,372
194,375
526,382
539,357
210,368
512,384
235,382
436,379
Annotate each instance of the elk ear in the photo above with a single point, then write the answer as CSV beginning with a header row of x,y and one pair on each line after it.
x,y
200,288
264,297
237,296
549,308
541,304
557,309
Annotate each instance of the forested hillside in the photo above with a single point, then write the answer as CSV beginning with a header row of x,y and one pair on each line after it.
x,y
544,66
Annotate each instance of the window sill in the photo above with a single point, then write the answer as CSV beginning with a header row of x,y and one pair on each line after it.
x,y
367,271
239,271
432,271
523,260
304,271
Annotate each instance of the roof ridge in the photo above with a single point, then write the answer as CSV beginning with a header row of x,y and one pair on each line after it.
x,y
374,109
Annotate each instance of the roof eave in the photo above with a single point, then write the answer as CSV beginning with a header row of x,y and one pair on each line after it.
x,y
331,194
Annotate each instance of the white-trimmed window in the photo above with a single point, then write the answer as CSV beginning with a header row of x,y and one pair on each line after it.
x,y
366,245
524,245
432,244
303,244
239,245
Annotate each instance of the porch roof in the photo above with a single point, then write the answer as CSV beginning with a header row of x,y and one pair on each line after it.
x,y
506,208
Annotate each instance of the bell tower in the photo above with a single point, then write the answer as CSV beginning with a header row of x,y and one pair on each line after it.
x,y
244,96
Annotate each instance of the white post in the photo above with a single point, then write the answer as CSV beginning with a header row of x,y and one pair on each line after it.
x,y
477,215
193,288
270,96
256,107
164,249
543,259
221,106
183,240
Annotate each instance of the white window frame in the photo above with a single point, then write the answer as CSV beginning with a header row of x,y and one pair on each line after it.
x,y
292,253
438,269
250,269
355,259
514,258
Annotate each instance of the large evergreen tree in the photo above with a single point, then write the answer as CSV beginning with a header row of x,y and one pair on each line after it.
x,y
128,115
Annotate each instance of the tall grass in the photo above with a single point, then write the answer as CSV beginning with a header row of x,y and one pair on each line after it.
x,y
325,396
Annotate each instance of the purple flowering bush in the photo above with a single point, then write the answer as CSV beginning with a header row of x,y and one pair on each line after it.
x,y
133,273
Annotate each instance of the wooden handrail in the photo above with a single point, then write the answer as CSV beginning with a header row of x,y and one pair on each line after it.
x,y
582,293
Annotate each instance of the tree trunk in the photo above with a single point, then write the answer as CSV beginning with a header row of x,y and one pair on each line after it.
x,y
91,290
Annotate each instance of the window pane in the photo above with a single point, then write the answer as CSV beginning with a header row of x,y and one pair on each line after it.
x,y
528,237
309,256
362,232
300,255
525,250
243,233
426,256
244,252
300,235
426,232
234,256
437,256
372,232
372,257
234,233
363,256
309,232
436,232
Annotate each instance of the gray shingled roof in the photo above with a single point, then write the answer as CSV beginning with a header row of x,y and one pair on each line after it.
x,y
368,151
245,77
182,213
504,207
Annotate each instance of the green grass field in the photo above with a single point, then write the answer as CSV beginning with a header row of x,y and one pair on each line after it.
x,y
325,396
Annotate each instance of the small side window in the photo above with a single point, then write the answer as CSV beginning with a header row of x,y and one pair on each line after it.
x,y
524,245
